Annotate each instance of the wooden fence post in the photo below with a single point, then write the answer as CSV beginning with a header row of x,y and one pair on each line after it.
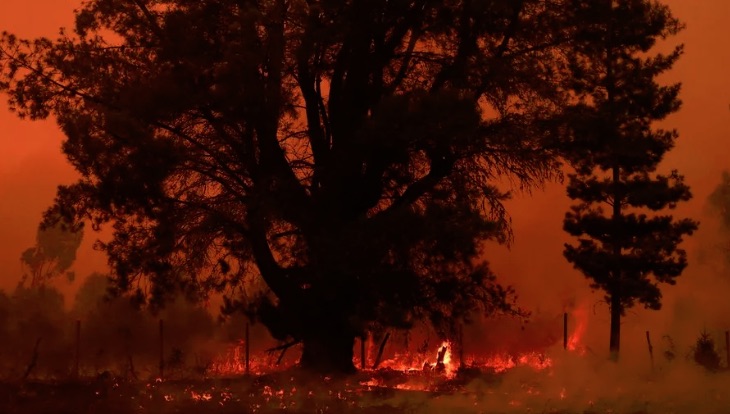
x,y
248,349
651,350
461,346
727,348
162,350
380,351
78,348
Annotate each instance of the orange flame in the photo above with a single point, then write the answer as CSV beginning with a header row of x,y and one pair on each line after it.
x,y
580,316
413,362
232,362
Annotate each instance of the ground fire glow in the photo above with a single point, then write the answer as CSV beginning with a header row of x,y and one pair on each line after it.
x,y
529,380
232,362
440,361
418,374
553,380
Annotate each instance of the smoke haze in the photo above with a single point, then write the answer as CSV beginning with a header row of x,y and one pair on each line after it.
x,y
32,166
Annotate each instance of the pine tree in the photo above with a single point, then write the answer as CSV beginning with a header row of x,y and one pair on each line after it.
x,y
625,246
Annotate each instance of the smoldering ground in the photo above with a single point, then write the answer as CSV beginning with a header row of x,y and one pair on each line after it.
x,y
576,381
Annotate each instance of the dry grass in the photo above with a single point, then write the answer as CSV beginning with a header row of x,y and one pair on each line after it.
x,y
288,392
294,392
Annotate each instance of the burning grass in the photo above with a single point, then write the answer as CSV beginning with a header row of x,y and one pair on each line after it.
x,y
438,378
570,384
518,390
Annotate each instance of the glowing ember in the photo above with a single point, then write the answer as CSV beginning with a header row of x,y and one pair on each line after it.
x,y
442,363
371,383
204,396
231,362
504,362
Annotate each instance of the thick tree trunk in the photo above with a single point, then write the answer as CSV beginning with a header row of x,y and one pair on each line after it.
x,y
329,352
615,339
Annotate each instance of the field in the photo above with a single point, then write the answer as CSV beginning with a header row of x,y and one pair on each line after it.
x,y
219,397
385,391
270,394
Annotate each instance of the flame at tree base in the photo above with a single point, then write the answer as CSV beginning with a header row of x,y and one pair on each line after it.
x,y
441,364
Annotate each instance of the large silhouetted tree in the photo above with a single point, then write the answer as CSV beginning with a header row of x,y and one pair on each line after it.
x,y
331,161
625,246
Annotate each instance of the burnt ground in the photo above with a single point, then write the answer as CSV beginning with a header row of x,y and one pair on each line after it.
x,y
286,392
292,392
238,395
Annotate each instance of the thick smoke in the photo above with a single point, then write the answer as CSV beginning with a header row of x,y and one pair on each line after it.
x,y
115,336
546,283
585,383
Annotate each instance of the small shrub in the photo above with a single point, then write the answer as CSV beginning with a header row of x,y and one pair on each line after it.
x,y
705,353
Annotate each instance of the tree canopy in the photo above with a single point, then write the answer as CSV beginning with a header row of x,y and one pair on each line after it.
x,y
333,163
53,253
616,149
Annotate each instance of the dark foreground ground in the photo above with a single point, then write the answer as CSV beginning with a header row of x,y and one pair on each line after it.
x,y
290,392
242,395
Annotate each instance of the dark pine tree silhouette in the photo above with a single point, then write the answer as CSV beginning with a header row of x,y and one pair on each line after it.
x,y
625,246
330,165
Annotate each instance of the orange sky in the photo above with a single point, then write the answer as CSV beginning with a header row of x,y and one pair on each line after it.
x,y
32,165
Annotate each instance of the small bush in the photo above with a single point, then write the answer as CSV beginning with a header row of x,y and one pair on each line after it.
x,y
705,353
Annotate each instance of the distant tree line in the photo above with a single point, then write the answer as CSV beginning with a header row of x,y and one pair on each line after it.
x,y
116,336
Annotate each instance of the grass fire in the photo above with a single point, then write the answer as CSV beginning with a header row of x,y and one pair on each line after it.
x,y
237,367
